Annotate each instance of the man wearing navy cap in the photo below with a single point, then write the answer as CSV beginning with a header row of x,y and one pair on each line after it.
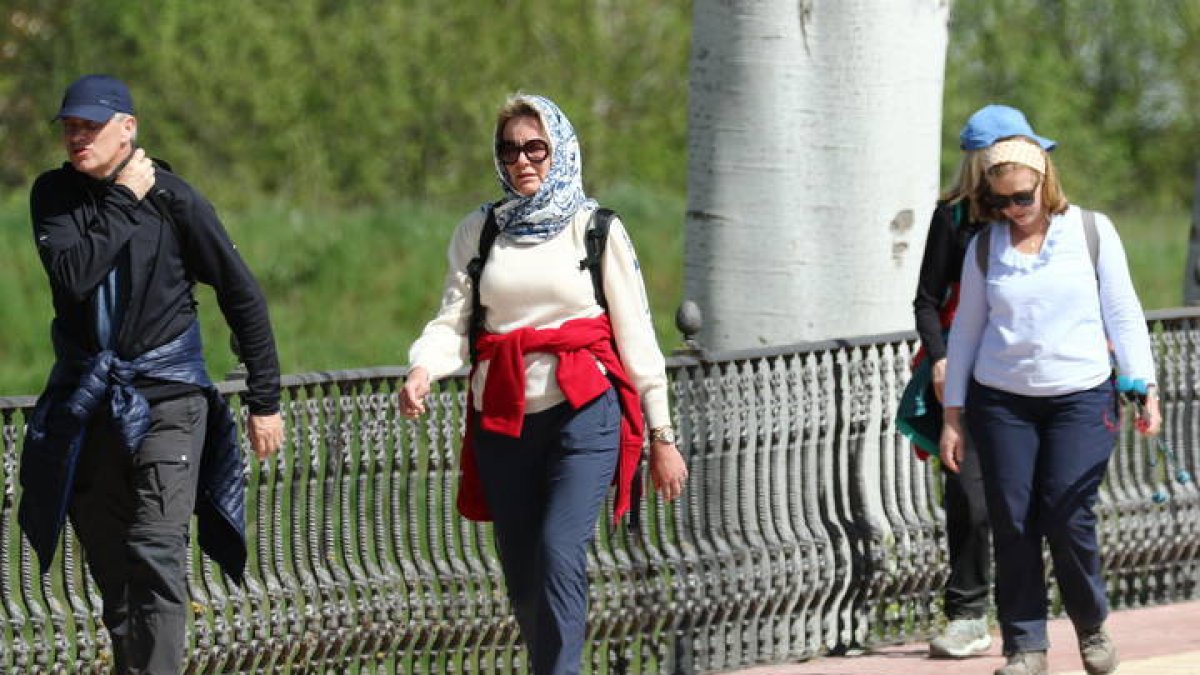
x,y
130,437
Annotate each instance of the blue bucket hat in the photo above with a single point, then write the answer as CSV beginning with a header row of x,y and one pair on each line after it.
x,y
993,122
95,98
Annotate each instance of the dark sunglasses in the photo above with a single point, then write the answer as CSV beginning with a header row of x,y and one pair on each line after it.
x,y
1001,202
536,151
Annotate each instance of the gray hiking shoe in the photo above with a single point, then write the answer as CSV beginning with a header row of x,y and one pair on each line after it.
x,y
1025,663
1098,652
962,638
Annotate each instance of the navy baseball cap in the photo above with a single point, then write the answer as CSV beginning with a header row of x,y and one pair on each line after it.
x,y
95,98
993,122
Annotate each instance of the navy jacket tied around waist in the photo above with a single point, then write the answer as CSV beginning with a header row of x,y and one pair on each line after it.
x,y
82,385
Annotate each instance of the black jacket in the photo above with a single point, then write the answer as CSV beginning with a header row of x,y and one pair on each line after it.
x,y
83,227
941,269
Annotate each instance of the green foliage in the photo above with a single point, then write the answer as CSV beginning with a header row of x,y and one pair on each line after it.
x,y
320,103
1116,83
1156,245
343,140
328,104
347,289
25,307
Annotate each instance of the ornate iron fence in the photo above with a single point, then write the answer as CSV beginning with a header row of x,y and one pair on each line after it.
x,y
808,528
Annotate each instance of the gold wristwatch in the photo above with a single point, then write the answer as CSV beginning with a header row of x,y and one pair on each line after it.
x,y
663,434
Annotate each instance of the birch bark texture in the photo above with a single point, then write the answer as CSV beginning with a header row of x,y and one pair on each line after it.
x,y
814,137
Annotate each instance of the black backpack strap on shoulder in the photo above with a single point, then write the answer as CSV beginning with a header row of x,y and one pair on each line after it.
x,y
163,201
487,237
594,242
983,245
160,199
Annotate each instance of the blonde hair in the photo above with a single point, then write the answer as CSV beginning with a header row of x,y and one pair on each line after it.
x,y
967,180
1054,200
516,106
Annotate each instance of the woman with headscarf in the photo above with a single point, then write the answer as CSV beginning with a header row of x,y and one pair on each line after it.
x,y
562,373
1045,290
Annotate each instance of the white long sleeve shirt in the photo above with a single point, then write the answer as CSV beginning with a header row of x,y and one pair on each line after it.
x,y
542,286
1040,324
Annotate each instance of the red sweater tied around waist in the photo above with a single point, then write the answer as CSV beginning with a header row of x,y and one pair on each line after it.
x,y
578,344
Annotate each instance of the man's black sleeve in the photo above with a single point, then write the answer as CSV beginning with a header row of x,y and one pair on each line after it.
x,y
78,242
214,260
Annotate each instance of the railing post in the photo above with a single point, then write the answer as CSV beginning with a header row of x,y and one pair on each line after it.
x,y
1191,273
688,320
238,372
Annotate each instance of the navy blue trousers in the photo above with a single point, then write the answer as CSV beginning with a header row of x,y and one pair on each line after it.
x,y
544,491
1043,460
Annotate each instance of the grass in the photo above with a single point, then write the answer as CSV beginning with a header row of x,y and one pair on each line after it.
x,y
346,289
1156,245
353,289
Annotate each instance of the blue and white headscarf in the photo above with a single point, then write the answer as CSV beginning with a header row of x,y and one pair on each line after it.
x,y
547,212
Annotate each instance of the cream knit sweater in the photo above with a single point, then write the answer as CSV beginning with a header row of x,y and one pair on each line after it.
x,y
541,286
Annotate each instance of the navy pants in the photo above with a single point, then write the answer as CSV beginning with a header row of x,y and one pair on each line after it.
x,y
1043,460
544,491
968,540
131,512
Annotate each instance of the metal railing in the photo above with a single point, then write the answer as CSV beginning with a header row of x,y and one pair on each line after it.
x,y
808,528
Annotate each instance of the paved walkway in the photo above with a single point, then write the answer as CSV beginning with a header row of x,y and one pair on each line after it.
x,y
1153,641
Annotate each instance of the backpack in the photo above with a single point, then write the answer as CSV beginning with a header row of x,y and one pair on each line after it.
x,y
595,240
984,243
163,201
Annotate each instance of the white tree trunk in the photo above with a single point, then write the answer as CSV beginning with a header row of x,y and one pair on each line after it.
x,y
814,133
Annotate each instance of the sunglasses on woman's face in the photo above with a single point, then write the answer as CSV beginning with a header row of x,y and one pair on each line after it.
x,y
536,151
1001,202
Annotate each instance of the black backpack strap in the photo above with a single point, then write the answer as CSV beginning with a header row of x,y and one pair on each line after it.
x,y
983,246
487,237
594,242
163,201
